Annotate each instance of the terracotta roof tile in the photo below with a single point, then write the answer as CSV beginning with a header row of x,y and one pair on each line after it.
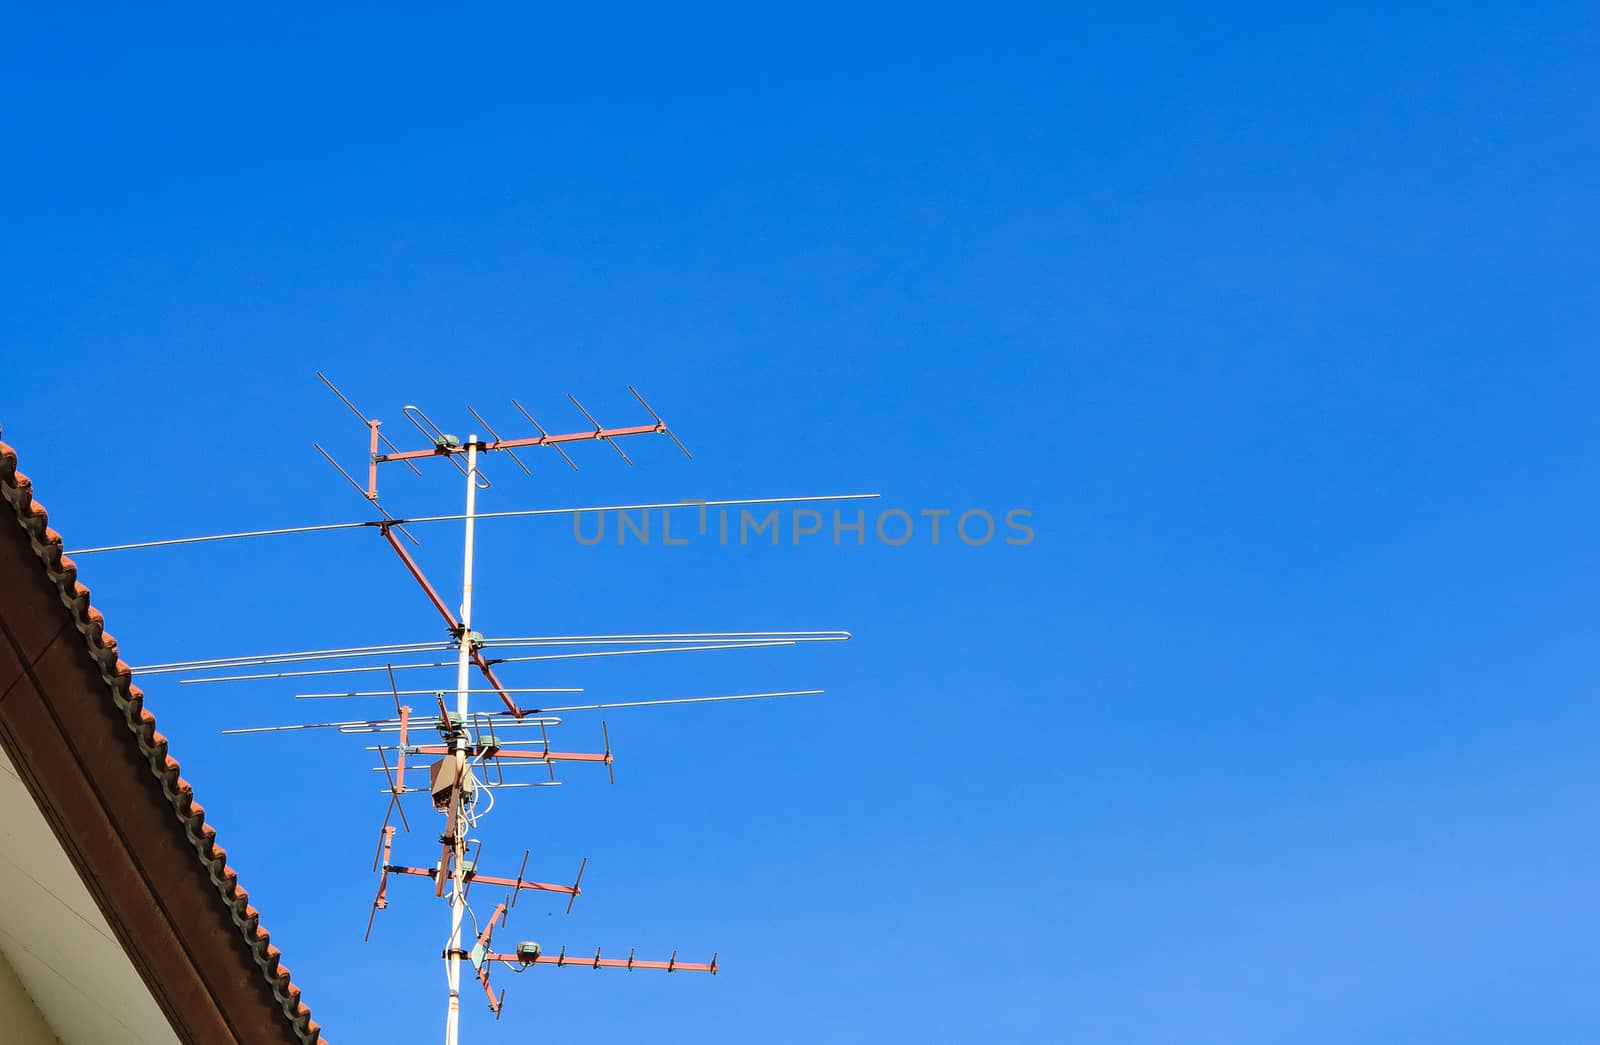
x,y
17,489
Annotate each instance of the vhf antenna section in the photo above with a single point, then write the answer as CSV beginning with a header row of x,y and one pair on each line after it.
x,y
447,445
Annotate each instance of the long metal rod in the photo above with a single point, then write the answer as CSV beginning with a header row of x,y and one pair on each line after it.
x,y
519,514
427,589
458,900
267,659
534,761
500,718
364,668
541,440
506,721
222,537
457,628
667,636
369,725
427,692
545,755
674,700
263,659
515,962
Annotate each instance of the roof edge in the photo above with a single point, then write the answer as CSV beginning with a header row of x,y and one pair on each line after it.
x,y
17,489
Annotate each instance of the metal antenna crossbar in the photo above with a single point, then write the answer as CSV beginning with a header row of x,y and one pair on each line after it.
x,y
459,630
604,758
516,885
630,963
529,954
600,432
449,446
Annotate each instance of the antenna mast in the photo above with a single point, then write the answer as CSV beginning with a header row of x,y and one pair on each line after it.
x,y
457,827
470,764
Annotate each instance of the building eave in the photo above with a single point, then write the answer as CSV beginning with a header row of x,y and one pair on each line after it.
x,y
88,749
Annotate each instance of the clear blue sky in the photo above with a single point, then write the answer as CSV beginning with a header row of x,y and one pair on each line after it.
x,y
1281,324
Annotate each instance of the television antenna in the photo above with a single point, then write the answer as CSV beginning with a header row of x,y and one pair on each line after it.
x,y
468,766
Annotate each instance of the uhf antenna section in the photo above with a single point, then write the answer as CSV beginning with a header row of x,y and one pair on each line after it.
x,y
452,447
528,954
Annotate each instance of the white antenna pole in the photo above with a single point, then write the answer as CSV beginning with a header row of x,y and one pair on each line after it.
x,y
458,901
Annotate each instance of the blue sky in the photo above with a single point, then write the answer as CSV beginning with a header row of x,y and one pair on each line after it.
x,y
1280,323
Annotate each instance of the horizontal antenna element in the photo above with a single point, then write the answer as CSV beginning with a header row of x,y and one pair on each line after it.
x,y
524,642
384,725
361,669
523,514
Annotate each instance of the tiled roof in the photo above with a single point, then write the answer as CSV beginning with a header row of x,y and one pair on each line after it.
x,y
129,702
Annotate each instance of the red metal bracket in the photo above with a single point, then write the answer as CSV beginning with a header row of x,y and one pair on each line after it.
x,y
480,962
381,902
630,963
450,619
520,756
516,885
443,448
573,896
